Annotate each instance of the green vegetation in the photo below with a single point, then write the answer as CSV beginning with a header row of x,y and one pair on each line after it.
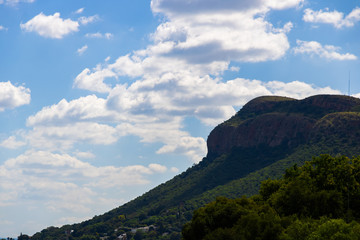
x,y
320,200
332,126
314,107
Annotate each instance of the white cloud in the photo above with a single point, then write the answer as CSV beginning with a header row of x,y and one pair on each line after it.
x,y
81,50
153,109
178,7
87,20
12,143
89,108
166,132
62,125
52,26
174,170
108,35
2,28
335,18
205,32
209,38
357,95
99,35
64,137
94,35
80,11
190,146
85,155
297,89
328,51
234,68
62,182
158,97
13,96
157,168
94,81
15,2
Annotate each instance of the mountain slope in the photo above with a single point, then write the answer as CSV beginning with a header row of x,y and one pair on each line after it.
x,y
266,136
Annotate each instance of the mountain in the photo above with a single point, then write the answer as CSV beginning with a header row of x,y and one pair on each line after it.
x,y
268,135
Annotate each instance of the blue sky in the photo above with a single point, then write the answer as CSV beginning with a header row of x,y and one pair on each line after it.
x,y
100,101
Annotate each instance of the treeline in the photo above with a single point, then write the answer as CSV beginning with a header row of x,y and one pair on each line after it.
x,y
320,200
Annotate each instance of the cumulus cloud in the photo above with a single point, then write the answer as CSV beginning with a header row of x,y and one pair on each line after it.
x,y
94,81
221,37
328,51
90,108
81,50
63,182
64,137
13,96
176,77
169,133
297,89
99,35
52,26
178,7
2,28
335,18
204,43
157,168
189,146
62,125
12,143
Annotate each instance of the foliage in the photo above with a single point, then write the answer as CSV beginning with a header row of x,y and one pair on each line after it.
x,y
236,173
23,237
316,201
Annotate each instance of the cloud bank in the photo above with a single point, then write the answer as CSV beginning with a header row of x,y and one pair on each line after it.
x,y
178,76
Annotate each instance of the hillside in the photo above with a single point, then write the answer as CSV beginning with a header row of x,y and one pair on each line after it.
x,y
268,135
319,200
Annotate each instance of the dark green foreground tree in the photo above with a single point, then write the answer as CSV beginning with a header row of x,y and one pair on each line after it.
x,y
320,200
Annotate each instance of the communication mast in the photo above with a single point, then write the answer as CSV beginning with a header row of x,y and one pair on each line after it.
x,y
349,85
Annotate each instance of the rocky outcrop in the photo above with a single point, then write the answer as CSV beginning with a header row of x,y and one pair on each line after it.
x,y
276,121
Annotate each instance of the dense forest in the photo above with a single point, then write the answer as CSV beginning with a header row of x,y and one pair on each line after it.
x,y
320,200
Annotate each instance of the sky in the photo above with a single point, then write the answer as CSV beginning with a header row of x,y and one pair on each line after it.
x,y
100,101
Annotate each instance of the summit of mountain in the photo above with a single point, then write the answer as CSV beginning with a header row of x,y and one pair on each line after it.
x,y
276,121
268,135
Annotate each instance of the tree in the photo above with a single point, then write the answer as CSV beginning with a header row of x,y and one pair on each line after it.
x,y
325,186
319,200
23,237
238,217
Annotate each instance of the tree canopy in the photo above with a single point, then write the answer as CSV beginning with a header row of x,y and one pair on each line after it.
x,y
320,200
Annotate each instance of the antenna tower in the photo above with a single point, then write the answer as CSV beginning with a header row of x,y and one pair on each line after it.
x,y
349,85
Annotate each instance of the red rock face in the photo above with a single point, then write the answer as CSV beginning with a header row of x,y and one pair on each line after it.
x,y
275,121
268,129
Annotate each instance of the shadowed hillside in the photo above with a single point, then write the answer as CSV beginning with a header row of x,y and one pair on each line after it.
x,y
268,135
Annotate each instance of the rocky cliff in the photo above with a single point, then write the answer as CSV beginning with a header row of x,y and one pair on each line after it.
x,y
268,135
280,121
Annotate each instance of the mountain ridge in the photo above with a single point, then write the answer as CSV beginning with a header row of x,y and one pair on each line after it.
x,y
265,137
